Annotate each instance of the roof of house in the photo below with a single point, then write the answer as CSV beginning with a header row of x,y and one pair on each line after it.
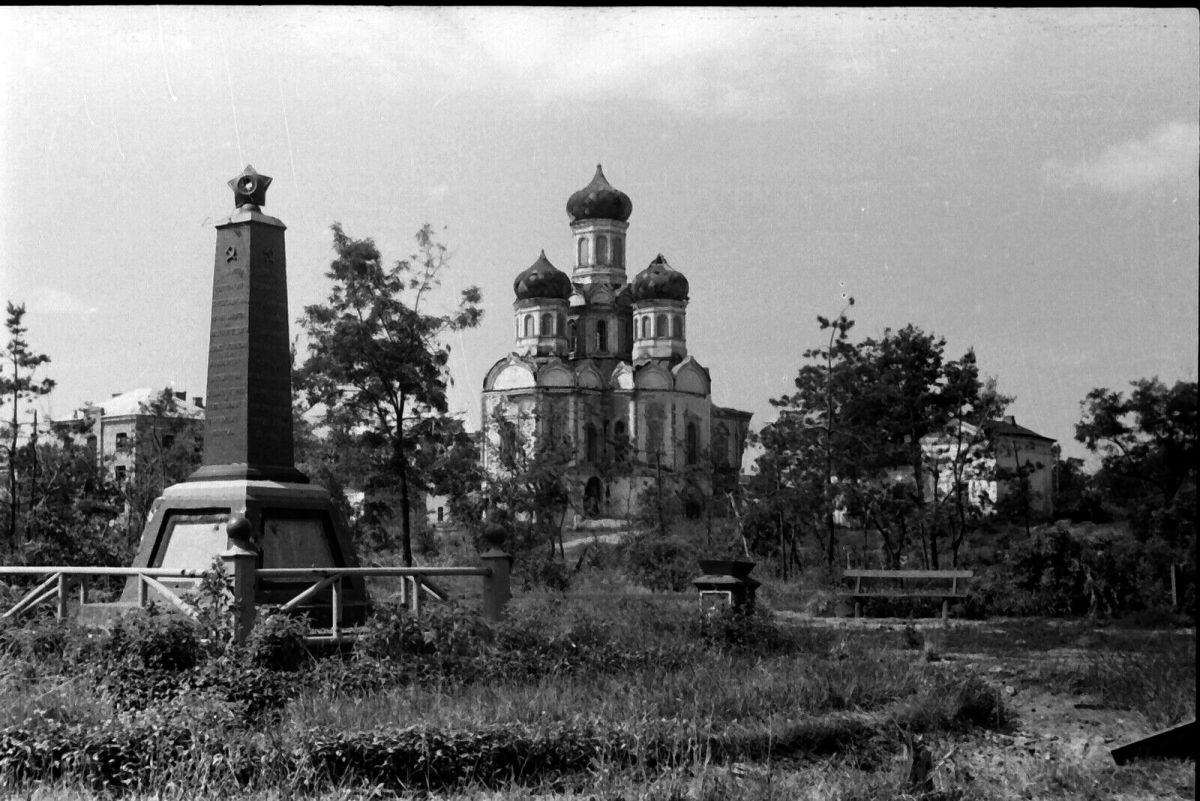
x,y
135,401
1007,427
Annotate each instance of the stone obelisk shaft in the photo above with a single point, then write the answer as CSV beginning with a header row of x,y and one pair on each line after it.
x,y
248,417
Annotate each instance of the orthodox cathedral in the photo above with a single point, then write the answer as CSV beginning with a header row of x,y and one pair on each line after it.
x,y
600,385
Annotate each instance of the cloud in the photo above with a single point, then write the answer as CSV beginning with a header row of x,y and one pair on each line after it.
x,y
1169,152
45,300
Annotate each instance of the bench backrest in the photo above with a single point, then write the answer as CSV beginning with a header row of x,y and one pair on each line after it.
x,y
908,574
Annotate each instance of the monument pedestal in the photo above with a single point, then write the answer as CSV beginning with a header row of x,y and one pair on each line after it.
x,y
293,526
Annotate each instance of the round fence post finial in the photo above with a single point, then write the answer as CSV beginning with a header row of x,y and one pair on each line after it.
x,y
494,535
240,529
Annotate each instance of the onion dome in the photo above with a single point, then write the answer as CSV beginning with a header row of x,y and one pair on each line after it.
x,y
660,282
599,201
542,280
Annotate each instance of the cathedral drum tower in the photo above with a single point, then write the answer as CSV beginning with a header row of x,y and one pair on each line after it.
x,y
248,492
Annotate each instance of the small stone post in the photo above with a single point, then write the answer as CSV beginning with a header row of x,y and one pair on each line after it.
x,y
240,563
496,585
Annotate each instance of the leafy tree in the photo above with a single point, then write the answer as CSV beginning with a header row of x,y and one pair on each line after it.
x,y
76,517
906,392
810,447
167,448
1147,443
532,488
376,359
856,436
1076,495
957,459
16,384
1147,439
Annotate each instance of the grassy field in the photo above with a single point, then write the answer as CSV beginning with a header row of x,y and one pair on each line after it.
x,y
624,698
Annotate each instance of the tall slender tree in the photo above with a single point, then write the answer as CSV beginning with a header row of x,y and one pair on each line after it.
x,y
809,448
377,359
16,384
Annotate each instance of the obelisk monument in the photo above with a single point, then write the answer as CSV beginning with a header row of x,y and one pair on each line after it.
x,y
248,492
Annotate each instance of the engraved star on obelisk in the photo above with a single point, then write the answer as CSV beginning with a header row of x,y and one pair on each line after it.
x,y
250,188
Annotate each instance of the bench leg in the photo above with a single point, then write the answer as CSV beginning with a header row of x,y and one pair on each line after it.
x,y
945,609
857,609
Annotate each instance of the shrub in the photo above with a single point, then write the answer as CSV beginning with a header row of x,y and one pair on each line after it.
x,y
728,629
277,642
1059,574
542,572
445,640
152,639
660,564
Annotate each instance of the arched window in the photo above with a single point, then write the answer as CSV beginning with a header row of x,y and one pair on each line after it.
x,y
654,433
547,325
529,325
592,440
677,326
602,250
582,251
572,334
646,327
601,336
660,327
618,248
692,443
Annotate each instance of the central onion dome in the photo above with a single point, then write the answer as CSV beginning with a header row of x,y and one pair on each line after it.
x,y
660,281
599,200
542,280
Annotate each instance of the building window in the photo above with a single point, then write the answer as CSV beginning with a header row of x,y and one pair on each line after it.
x,y
441,514
618,252
602,250
692,443
654,433
119,472
529,325
646,327
582,251
720,445
91,443
660,327
592,439
572,335
601,336
168,441
122,441
620,441
547,325
677,326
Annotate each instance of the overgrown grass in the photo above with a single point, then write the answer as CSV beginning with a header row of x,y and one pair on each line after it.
x,y
625,698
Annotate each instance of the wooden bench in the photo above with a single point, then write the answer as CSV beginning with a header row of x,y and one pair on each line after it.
x,y
944,584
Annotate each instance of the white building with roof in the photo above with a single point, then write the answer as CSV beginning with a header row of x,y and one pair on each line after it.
x,y
115,429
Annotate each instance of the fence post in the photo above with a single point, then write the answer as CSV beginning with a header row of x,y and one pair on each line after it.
x,y
240,564
61,612
496,583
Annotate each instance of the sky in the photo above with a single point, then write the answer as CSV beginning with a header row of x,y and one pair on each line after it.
x,y
1020,182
